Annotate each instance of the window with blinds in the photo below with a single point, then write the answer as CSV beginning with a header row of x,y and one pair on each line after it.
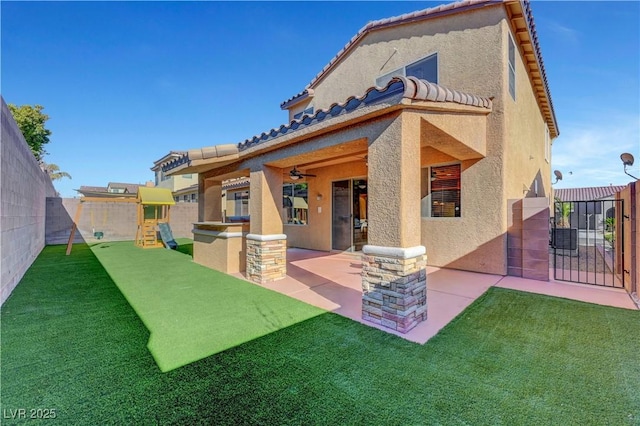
x,y
443,197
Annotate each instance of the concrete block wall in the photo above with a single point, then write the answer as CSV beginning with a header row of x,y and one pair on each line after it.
x,y
116,221
24,188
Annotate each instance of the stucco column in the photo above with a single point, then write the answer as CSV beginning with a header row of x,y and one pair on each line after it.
x,y
209,200
394,280
266,243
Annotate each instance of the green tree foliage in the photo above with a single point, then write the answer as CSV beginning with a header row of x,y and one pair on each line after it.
x,y
31,121
54,171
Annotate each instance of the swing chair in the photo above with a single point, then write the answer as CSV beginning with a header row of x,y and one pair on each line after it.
x,y
98,234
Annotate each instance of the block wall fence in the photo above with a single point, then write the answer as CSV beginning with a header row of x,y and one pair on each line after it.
x,y
32,215
24,188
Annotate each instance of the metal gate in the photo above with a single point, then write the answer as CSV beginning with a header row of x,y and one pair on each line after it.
x,y
587,242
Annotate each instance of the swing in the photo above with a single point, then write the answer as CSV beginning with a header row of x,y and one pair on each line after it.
x,y
98,235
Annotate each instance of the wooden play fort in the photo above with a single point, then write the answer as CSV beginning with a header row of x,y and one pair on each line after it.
x,y
153,208
153,216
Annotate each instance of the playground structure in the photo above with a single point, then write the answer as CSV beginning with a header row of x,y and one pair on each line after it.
x,y
153,215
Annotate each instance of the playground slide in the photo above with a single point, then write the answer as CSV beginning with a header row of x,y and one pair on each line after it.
x,y
167,236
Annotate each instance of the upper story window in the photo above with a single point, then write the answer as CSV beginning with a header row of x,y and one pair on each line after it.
x,y
441,191
424,69
512,69
547,144
299,115
187,176
295,202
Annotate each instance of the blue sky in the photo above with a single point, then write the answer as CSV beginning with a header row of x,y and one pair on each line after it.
x,y
126,82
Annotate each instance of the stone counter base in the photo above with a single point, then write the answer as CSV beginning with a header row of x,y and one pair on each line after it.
x,y
394,290
266,259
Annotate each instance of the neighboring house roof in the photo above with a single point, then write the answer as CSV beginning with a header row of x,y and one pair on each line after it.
x,y
131,188
84,188
166,158
236,183
305,94
186,190
519,12
396,92
587,194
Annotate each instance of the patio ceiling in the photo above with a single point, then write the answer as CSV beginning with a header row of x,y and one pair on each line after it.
x,y
338,154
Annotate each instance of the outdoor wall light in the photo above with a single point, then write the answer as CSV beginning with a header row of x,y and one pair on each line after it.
x,y
319,197
627,160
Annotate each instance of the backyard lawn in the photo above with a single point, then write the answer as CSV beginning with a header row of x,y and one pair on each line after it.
x,y
72,342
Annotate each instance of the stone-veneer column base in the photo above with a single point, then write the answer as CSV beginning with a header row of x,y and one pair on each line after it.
x,y
394,286
266,257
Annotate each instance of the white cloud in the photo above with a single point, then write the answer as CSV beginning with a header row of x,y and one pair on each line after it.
x,y
591,150
562,31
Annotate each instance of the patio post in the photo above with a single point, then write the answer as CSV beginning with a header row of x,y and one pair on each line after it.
x,y
210,196
394,279
266,242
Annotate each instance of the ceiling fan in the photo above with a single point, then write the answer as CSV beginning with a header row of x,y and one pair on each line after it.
x,y
295,174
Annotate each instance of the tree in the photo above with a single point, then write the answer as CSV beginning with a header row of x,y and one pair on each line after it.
x,y
53,170
563,209
31,122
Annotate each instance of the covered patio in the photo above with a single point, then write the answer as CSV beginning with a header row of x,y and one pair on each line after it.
x,y
362,162
333,281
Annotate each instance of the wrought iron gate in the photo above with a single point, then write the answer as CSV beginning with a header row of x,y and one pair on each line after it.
x,y
587,242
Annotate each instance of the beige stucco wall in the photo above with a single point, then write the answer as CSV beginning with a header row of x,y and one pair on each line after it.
x,y
471,59
176,183
464,44
525,161
472,52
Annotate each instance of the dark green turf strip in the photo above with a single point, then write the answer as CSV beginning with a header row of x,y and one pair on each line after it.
x,y
192,311
75,344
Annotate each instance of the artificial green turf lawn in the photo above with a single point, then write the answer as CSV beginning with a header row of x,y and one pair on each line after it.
x,y
75,345
192,311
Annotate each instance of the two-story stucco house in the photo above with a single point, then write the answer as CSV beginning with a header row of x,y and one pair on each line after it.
x,y
184,188
412,145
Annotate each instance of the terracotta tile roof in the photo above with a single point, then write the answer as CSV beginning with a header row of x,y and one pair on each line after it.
x,y
236,183
404,88
587,194
297,98
397,90
535,67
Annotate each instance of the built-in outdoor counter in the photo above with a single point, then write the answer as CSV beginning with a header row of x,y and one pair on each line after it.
x,y
220,246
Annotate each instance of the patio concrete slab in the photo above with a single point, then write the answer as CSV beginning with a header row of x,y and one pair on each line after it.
x,y
333,282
